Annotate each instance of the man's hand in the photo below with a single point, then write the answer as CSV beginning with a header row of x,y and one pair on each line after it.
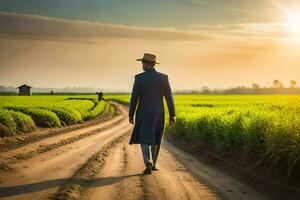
x,y
172,120
131,120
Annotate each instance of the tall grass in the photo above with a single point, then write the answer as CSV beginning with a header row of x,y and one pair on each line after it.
x,y
13,121
263,129
96,111
8,125
21,114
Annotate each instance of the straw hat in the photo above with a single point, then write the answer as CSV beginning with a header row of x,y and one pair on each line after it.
x,y
148,58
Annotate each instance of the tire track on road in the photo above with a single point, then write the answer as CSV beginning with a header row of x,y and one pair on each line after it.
x,y
103,166
43,174
10,158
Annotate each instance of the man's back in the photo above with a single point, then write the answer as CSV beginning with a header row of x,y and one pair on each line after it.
x,y
149,89
147,95
151,86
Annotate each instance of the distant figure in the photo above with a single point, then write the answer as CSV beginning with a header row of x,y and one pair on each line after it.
x,y
100,95
51,92
147,96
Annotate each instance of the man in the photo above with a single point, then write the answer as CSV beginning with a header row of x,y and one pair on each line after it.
x,y
147,96
100,96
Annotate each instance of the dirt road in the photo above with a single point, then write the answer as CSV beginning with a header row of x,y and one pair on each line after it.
x,y
96,162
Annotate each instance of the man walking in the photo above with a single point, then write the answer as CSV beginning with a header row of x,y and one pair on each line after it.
x,y
147,100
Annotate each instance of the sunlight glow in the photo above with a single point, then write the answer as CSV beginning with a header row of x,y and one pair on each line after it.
x,y
293,23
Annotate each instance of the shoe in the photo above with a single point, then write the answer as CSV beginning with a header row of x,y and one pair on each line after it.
x,y
148,169
153,168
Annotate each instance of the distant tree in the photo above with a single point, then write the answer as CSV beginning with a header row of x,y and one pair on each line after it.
x,y
293,84
255,86
277,84
205,90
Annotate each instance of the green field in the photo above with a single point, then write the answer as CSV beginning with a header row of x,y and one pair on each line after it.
x,y
25,113
261,128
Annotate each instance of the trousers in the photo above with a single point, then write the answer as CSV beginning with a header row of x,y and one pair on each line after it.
x,y
150,153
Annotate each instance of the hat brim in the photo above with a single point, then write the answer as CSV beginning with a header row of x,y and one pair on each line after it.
x,y
141,59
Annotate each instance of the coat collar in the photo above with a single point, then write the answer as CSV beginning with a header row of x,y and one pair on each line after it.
x,y
150,69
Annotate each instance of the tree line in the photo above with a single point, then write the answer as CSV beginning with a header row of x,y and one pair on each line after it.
x,y
275,87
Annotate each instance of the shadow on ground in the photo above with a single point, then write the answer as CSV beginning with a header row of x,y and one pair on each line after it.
x,y
38,186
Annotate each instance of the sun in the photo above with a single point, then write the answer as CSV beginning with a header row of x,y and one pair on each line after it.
x,y
293,23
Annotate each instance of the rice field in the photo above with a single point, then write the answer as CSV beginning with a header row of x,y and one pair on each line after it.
x,y
25,113
262,128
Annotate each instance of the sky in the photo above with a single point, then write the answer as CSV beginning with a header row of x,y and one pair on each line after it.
x,y
199,43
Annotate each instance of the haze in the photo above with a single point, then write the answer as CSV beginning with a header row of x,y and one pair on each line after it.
x,y
216,43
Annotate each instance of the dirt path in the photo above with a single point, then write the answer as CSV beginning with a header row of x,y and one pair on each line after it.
x,y
103,166
171,182
38,176
180,176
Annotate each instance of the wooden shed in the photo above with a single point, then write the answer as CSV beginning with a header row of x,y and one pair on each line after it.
x,y
24,90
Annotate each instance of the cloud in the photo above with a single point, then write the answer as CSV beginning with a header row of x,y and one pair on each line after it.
x,y
251,37
267,30
272,31
14,25
198,2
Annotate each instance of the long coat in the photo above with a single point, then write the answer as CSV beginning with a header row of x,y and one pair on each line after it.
x,y
147,100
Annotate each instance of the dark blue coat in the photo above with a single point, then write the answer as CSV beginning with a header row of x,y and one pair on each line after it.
x,y
147,95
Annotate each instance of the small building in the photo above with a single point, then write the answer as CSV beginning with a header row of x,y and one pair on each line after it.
x,y
24,90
